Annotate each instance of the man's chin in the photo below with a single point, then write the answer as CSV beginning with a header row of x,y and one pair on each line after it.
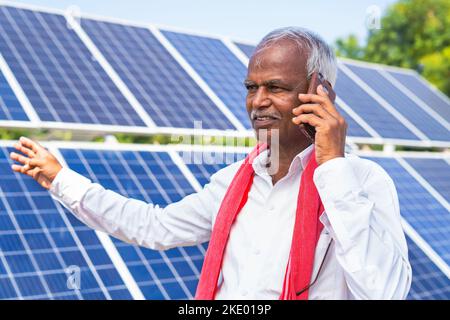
x,y
266,134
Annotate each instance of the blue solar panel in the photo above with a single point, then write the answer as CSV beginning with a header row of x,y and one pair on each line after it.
x,y
402,103
420,209
354,128
370,110
39,241
246,48
424,92
10,107
436,172
164,89
151,177
428,282
203,165
57,72
218,67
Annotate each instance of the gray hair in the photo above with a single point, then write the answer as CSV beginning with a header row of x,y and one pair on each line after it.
x,y
321,57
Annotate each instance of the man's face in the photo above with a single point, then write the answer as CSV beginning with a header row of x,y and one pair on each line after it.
x,y
276,75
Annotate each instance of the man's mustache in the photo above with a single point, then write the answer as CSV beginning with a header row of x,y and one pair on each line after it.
x,y
259,114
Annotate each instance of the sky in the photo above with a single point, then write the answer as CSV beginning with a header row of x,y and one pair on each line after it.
x,y
248,20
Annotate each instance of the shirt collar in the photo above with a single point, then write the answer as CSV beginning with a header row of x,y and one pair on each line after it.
x,y
299,161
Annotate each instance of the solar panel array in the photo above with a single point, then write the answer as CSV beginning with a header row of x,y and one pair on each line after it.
x,y
99,73
103,73
40,240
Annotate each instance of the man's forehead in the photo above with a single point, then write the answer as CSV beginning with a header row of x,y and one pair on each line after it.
x,y
282,55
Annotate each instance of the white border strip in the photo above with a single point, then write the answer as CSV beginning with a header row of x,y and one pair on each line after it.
x,y
383,102
196,77
414,98
357,118
426,248
110,72
111,250
236,51
19,93
423,182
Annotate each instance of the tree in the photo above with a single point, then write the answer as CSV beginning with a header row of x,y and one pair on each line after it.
x,y
414,34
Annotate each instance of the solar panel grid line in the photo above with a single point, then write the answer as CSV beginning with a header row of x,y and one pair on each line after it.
x,y
377,65
144,193
217,66
416,99
424,183
10,274
112,250
157,69
383,102
357,118
426,248
58,251
236,51
108,246
443,96
18,92
111,73
400,101
138,251
58,109
28,72
120,265
26,246
80,97
185,170
195,76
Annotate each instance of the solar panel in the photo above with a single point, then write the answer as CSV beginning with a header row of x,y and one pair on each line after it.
x,y
402,103
246,48
428,282
419,208
204,164
354,128
10,107
154,178
370,110
217,66
62,80
435,171
425,92
159,83
39,242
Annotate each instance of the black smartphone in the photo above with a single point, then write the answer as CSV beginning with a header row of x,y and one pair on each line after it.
x,y
316,79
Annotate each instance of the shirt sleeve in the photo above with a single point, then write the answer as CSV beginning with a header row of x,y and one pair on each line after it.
x,y
362,215
186,222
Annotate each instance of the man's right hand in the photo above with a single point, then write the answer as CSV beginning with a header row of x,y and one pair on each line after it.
x,y
36,161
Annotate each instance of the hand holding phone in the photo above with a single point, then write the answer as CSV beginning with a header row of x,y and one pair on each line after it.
x,y
316,79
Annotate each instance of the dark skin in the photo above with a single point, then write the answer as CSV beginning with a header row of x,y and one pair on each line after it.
x,y
276,83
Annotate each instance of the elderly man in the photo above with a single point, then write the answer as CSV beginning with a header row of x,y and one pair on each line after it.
x,y
309,223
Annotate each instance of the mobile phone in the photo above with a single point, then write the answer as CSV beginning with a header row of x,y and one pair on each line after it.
x,y
316,79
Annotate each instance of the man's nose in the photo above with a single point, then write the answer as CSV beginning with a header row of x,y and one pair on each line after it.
x,y
261,98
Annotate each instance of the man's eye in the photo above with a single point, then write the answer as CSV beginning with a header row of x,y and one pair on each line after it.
x,y
275,89
250,87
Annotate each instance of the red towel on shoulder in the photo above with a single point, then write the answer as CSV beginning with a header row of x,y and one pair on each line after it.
x,y
306,233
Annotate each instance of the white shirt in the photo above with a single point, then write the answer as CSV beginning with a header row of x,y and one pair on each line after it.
x,y
368,258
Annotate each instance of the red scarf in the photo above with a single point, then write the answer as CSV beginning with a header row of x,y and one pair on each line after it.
x,y
306,233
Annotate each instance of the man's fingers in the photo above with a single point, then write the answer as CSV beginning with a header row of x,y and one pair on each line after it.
x,y
321,98
30,144
26,151
19,158
317,109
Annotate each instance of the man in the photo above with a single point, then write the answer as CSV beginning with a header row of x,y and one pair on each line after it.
x,y
310,223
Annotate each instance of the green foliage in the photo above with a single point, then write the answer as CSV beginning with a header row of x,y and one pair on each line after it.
x,y
414,34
